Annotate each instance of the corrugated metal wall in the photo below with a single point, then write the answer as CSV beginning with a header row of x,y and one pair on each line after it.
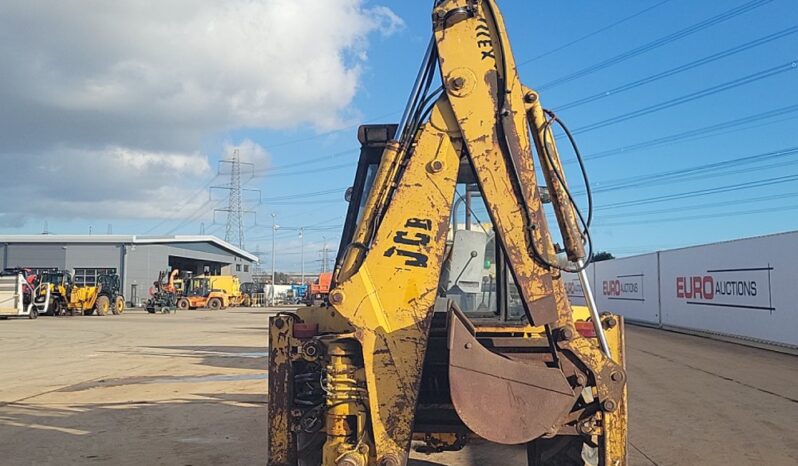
x,y
36,255
91,256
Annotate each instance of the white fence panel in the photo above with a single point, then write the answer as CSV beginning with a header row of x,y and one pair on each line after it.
x,y
629,287
573,287
746,288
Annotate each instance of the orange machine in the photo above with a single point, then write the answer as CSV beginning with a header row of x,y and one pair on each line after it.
x,y
199,294
319,291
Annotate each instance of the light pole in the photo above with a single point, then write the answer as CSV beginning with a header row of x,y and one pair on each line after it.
x,y
274,263
302,254
324,256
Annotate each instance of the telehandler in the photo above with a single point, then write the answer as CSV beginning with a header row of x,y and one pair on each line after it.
x,y
57,294
440,330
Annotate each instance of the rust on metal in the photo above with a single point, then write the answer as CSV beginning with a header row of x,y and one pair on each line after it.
x,y
503,400
282,437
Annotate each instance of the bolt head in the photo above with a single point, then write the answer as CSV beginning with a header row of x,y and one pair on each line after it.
x,y
610,322
609,406
349,460
585,426
436,166
616,376
389,460
336,297
530,97
457,83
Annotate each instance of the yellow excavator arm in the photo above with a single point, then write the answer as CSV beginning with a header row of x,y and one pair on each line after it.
x,y
406,349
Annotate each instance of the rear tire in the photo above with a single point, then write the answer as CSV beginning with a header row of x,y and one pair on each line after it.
x,y
183,304
57,308
119,305
215,304
102,305
34,313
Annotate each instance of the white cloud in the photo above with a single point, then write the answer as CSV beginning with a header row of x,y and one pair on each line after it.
x,y
129,88
249,152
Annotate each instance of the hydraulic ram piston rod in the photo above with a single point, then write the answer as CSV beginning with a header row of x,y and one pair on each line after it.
x,y
591,305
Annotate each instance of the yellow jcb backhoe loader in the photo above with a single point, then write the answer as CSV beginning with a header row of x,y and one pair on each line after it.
x,y
448,318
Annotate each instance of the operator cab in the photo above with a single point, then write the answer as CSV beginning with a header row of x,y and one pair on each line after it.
x,y
474,273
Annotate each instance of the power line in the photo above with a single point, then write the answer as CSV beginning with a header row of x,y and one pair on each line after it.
x,y
703,217
758,76
313,170
183,205
291,203
304,195
310,161
679,69
199,212
594,33
328,133
656,43
701,192
693,133
711,205
703,171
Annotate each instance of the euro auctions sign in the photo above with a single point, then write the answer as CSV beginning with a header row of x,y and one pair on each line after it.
x,y
741,288
624,287
746,288
630,287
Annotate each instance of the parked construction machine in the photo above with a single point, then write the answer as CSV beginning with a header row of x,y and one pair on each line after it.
x,y
163,295
439,330
57,294
26,280
231,285
16,294
198,292
252,294
318,291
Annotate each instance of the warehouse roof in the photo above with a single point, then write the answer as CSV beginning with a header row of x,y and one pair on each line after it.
x,y
127,239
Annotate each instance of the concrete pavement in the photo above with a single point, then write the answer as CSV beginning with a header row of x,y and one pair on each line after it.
x,y
190,389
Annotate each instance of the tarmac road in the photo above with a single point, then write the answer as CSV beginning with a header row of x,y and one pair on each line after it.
x,y
190,389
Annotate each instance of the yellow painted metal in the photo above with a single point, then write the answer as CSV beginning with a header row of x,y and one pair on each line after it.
x,y
227,283
388,300
389,164
543,137
483,100
615,422
347,415
282,436
82,298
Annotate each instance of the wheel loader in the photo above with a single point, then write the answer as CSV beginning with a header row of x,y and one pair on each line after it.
x,y
447,318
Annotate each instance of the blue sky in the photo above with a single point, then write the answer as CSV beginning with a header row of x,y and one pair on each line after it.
x,y
306,159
